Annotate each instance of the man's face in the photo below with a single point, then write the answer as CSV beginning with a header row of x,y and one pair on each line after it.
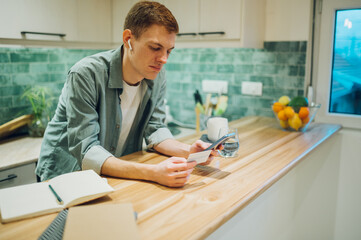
x,y
151,51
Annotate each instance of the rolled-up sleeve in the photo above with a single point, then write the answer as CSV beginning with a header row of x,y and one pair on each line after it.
x,y
156,130
94,158
83,122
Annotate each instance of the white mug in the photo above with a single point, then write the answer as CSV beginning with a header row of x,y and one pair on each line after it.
x,y
213,126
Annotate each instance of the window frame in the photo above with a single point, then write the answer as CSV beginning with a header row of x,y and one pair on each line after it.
x,y
324,33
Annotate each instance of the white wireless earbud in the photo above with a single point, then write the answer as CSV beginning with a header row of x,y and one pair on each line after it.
x,y
130,46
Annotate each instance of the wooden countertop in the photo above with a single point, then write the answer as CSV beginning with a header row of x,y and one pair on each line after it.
x,y
214,193
19,151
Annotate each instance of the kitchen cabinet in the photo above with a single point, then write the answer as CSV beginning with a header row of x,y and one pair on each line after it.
x,y
18,161
185,11
81,20
221,16
119,12
20,175
187,14
288,20
207,16
240,21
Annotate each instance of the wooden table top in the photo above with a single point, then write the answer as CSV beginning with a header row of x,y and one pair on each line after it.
x,y
213,194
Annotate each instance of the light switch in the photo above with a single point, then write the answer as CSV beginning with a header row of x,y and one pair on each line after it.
x,y
215,86
252,88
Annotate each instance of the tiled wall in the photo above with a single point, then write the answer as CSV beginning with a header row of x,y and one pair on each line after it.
x,y
24,67
280,67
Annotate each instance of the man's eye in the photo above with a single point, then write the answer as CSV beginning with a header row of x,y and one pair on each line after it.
x,y
155,48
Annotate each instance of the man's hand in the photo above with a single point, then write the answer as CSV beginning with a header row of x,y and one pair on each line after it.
x,y
199,146
173,172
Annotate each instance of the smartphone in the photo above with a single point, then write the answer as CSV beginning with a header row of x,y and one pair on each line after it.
x,y
220,141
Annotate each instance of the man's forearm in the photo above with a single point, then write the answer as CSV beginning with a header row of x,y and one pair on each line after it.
x,y
172,172
124,169
172,147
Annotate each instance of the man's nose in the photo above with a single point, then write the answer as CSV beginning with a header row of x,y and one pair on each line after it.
x,y
163,58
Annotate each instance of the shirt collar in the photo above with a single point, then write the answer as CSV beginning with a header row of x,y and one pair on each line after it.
x,y
116,71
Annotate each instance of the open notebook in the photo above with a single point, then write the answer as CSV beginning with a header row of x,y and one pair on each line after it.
x,y
37,199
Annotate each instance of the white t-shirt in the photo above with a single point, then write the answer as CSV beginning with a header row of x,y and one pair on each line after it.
x,y
129,103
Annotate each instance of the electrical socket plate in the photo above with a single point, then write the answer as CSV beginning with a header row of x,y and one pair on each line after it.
x,y
215,86
252,88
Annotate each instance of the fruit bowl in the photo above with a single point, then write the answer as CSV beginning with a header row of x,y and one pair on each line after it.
x,y
295,114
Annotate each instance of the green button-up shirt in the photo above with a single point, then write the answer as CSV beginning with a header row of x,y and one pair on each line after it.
x,y
87,123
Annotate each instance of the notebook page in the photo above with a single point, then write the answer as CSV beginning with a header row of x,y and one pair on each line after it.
x,y
27,201
78,187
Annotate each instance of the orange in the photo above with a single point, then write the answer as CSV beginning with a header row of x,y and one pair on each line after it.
x,y
281,115
277,106
289,112
304,112
305,120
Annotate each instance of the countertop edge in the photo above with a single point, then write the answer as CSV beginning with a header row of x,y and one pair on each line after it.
x,y
218,222
22,163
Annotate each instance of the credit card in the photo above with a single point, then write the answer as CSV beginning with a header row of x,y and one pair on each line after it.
x,y
199,157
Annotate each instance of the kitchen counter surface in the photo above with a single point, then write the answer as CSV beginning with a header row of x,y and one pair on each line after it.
x,y
19,151
213,194
22,150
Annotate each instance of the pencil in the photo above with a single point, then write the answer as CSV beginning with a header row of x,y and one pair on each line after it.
x,y
60,201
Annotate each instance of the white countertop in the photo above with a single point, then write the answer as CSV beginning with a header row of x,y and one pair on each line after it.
x,y
19,151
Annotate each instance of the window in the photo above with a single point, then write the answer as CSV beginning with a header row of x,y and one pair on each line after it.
x,y
345,95
336,69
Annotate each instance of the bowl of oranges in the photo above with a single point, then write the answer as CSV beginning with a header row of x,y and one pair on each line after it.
x,y
294,114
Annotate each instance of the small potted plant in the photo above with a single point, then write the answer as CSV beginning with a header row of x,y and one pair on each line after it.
x,y
40,99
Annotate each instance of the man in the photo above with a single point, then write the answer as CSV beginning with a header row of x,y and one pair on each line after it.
x,y
112,100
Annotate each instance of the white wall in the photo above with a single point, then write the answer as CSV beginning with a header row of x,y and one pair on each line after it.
x,y
287,20
319,199
348,208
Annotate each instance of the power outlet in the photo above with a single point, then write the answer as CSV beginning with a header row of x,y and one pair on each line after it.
x,y
252,88
215,86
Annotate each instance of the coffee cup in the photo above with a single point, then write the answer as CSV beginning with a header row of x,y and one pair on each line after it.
x,y
214,124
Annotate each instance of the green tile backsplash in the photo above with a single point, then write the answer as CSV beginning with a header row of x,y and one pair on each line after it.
x,y
24,67
280,66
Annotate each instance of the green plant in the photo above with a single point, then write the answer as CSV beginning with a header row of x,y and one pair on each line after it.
x,y
40,99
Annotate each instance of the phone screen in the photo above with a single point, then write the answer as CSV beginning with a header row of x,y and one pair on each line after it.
x,y
220,141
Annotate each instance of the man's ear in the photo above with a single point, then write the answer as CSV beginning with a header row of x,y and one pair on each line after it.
x,y
127,35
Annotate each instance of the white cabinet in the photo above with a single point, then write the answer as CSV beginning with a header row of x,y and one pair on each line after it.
x,y
219,22
101,21
200,17
94,21
19,175
242,22
186,12
80,20
35,16
221,16
18,160
119,11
